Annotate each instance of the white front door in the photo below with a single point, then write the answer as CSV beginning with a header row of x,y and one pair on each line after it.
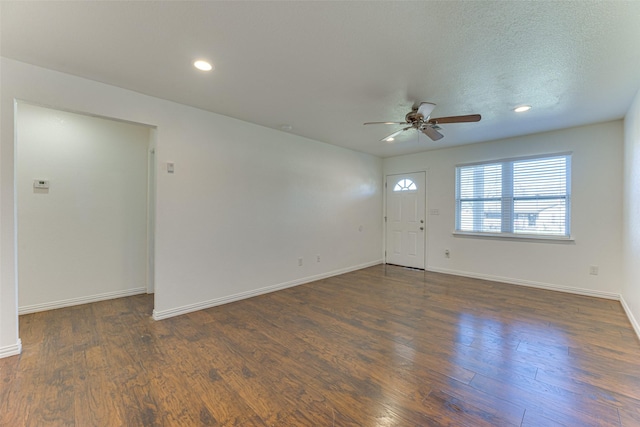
x,y
405,220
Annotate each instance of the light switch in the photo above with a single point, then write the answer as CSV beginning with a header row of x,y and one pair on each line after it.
x,y
169,167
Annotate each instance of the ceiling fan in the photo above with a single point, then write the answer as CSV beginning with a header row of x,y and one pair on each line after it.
x,y
419,118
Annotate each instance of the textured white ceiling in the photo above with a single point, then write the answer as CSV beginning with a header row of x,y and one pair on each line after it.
x,y
327,67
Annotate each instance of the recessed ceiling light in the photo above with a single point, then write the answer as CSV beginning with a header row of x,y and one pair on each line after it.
x,y
286,128
522,108
390,139
203,65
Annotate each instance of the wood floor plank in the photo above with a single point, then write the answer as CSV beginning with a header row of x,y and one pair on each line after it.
x,y
555,403
409,379
350,374
382,346
324,377
629,415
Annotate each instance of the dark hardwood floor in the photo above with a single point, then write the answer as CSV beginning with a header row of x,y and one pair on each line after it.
x,y
384,346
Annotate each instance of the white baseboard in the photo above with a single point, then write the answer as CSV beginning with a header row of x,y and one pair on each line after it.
x,y
164,314
568,289
11,350
80,300
529,283
632,319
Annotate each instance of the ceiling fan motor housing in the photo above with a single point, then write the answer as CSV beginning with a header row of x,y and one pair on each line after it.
x,y
413,117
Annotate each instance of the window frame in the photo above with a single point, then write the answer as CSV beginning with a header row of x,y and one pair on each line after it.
x,y
507,202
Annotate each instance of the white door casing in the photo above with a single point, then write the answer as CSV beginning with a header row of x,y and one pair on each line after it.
x,y
405,220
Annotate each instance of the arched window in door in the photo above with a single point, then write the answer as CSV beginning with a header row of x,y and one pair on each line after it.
x,y
405,185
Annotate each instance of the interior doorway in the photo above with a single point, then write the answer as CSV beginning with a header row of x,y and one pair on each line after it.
x,y
405,221
85,190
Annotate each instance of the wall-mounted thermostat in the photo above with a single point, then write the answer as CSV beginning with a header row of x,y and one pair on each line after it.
x,y
40,183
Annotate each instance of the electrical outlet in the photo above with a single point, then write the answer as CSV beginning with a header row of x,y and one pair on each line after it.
x,y
447,254
299,262
593,270
318,258
41,184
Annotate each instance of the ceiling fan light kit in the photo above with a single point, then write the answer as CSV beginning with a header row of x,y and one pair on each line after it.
x,y
203,65
420,119
522,108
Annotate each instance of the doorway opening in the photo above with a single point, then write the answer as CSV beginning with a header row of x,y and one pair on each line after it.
x,y
85,208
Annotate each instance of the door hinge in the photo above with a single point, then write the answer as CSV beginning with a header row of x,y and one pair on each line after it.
x,y
385,219
385,184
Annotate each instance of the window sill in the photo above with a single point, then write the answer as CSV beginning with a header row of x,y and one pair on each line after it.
x,y
503,236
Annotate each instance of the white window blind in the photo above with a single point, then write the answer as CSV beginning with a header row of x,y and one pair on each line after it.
x,y
515,197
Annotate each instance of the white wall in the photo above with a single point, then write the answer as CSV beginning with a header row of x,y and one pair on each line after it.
x,y
85,238
631,228
596,213
9,341
245,202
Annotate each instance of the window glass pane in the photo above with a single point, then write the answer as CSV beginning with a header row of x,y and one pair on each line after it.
x,y
540,216
465,183
544,177
405,185
481,216
484,181
492,181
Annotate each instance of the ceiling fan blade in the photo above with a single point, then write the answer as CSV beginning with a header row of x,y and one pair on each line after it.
x,y
426,108
385,123
432,133
396,133
456,119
